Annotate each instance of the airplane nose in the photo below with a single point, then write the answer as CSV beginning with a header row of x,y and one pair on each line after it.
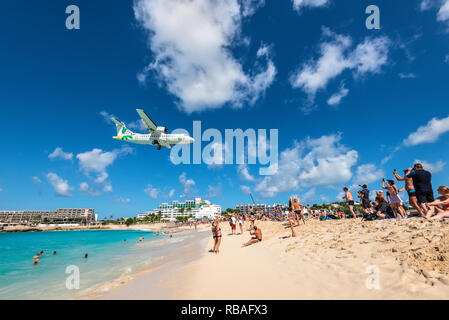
x,y
193,140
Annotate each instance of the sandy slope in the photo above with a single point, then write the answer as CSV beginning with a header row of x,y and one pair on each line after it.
x,y
327,260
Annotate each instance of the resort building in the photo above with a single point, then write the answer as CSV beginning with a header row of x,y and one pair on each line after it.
x,y
60,216
265,208
198,208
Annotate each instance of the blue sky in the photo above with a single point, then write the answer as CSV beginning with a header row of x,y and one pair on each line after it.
x,y
351,104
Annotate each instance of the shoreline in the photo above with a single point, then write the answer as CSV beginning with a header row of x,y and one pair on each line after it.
x,y
340,259
149,226
146,284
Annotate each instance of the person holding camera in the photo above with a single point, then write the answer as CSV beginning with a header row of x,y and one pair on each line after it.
x,y
410,188
364,197
395,200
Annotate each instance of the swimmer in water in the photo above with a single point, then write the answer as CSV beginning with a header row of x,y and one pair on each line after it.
x,y
140,239
85,256
54,252
36,261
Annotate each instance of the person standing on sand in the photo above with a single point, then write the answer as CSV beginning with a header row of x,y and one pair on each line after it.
x,y
395,200
216,235
410,188
422,180
350,200
297,209
291,221
366,203
233,223
241,224
257,233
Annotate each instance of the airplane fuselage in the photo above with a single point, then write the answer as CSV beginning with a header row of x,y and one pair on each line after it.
x,y
161,138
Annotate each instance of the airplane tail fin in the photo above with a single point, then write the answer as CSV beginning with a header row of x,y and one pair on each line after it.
x,y
122,130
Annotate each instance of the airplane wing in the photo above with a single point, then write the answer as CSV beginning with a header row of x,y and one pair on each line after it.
x,y
149,124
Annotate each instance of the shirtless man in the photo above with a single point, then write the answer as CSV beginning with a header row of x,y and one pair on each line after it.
x,y
410,188
350,200
297,209
257,233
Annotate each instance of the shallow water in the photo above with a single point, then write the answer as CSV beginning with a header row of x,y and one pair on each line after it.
x,y
109,257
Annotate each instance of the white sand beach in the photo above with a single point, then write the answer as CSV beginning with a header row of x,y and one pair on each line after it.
x,y
340,259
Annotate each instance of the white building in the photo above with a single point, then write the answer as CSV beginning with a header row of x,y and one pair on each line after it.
x,y
198,208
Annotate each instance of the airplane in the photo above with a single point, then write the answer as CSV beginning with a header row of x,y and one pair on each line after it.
x,y
157,135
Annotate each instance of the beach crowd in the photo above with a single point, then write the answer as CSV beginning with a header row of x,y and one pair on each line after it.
x,y
387,204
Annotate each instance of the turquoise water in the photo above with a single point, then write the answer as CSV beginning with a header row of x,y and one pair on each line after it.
x,y
109,258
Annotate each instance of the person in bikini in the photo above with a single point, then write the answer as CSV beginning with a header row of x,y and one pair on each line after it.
x,y
395,200
216,234
291,221
440,207
257,233
410,188
297,209
350,200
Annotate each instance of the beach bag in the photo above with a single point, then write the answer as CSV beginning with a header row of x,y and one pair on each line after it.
x,y
369,217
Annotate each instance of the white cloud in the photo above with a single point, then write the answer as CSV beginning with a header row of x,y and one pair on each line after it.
x,y
443,13
107,116
309,195
407,75
336,57
85,188
368,173
244,173
60,186
36,180
190,43
122,200
431,132
97,161
152,192
298,4
137,125
245,189
214,191
58,153
171,193
335,99
309,163
188,184
427,4
432,167
441,5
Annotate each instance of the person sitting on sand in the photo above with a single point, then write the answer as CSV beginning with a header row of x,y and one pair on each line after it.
x,y
382,208
440,207
257,233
